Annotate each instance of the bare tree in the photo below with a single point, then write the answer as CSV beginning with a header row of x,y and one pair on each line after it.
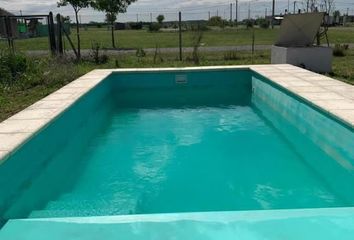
x,y
328,6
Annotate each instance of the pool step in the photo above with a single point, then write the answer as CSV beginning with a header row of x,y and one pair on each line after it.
x,y
62,213
81,208
305,224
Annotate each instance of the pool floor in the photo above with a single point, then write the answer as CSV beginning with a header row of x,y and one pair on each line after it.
x,y
188,159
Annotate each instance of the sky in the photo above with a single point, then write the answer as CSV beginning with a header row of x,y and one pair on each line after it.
x,y
145,10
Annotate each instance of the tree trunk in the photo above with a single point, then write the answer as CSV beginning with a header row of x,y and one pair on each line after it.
x,y
112,32
78,36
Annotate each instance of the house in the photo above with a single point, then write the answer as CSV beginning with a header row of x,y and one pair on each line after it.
x,y
12,29
277,19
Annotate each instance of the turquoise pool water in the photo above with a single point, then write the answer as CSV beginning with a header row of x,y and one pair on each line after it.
x,y
219,141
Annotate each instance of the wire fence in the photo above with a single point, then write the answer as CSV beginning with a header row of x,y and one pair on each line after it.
x,y
94,31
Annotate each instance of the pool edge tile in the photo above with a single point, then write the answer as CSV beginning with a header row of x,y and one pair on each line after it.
x,y
335,106
41,116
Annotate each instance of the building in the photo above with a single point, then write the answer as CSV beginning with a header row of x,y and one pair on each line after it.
x,y
12,25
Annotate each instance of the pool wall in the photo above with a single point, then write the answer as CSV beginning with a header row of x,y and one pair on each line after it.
x,y
182,88
71,123
327,139
335,139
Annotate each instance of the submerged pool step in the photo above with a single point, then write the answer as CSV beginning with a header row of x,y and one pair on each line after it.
x,y
62,213
305,224
80,208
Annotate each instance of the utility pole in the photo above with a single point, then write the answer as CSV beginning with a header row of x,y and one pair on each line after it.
x,y
294,6
209,15
180,35
236,10
266,13
249,10
217,12
288,6
150,17
347,11
137,17
230,12
273,13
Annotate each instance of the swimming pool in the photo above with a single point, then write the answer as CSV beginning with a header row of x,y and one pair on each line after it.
x,y
212,141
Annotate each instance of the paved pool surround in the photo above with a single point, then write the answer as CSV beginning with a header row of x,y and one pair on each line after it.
x,y
330,95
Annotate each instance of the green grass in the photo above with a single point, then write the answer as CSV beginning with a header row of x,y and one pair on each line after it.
x,y
343,67
145,39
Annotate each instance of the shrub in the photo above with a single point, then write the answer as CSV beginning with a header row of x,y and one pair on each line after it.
x,y
263,23
215,21
154,27
231,55
249,23
198,27
96,55
140,53
20,72
12,67
135,26
340,50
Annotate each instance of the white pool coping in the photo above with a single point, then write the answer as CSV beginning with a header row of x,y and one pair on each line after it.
x,y
330,95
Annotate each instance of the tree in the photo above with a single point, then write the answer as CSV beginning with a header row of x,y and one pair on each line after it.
x,y
112,8
160,19
77,6
215,21
263,23
336,14
328,6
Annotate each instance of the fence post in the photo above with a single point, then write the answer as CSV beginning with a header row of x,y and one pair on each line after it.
x,y
180,35
273,13
59,36
51,33
253,40
8,29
